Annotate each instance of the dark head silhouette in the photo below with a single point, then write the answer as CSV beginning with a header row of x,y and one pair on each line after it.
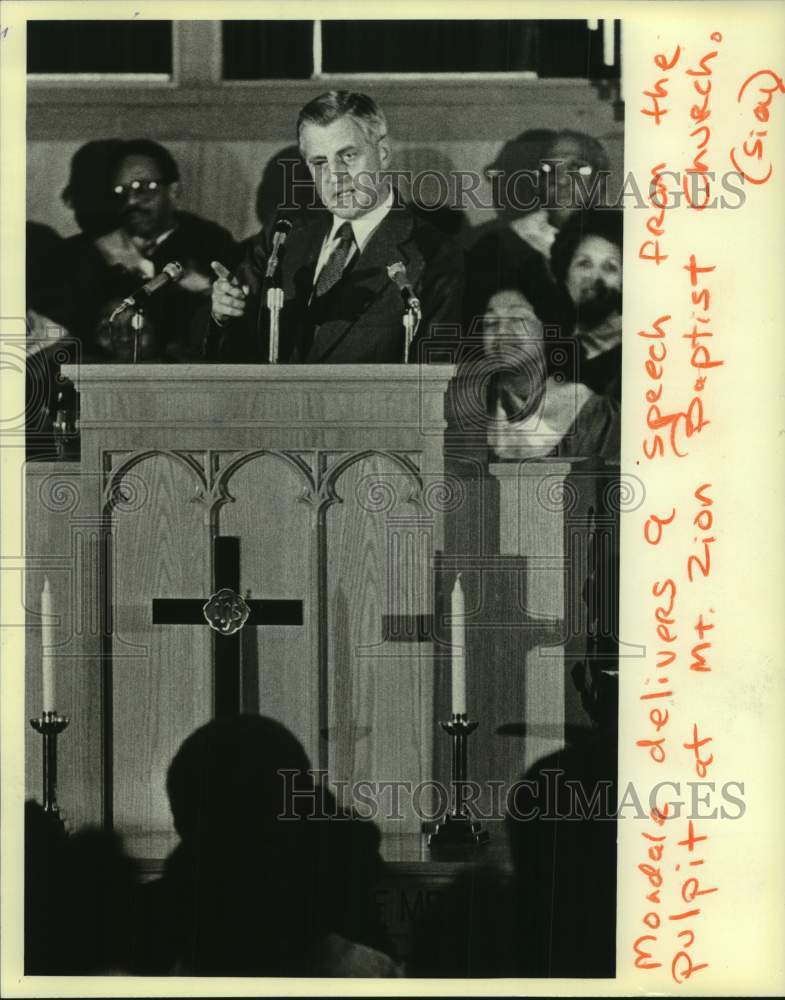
x,y
225,780
82,902
286,188
514,173
87,192
562,833
256,883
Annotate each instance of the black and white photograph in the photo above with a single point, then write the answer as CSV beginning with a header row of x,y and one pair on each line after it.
x,y
322,496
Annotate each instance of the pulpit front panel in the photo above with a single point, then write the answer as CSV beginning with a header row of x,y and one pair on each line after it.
x,y
268,509
380,548
161,673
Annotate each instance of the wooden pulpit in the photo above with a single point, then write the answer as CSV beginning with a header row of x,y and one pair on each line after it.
x,y
334,505
318,489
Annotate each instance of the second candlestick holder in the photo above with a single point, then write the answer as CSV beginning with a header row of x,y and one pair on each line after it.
x,y
458,830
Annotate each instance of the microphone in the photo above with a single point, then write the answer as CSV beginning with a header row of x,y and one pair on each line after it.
x,y
397,273
171,272
281,230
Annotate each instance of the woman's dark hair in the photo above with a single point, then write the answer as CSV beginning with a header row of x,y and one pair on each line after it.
x,y
161,156
604,222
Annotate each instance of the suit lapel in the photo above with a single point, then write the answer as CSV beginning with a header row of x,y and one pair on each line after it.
x,y
301,255
365,281
302,252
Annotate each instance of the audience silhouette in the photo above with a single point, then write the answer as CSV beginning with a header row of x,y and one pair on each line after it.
x,y
82,900
564,860
554,913
270,878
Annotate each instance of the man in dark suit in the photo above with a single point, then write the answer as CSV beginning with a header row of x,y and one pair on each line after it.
x,y
340,304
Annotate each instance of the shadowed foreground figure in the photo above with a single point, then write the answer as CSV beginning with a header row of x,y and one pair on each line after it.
x,y
82,901
470,931
247,893
554,915
565,860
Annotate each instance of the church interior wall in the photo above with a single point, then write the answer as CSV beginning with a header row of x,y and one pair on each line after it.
x,y
223,136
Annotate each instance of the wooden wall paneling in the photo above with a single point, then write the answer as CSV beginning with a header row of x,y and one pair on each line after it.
x,y
162,683
591,537
220,179
61,542
380,693
223,136
417,110
533,502
273,522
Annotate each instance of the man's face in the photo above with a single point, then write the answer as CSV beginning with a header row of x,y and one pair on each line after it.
x,y
594,279
566,179
146,203
346,166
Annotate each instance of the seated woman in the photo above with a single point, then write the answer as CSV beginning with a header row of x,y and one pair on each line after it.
x,y
545,398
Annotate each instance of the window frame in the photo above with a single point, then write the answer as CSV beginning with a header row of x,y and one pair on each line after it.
x,y
197,60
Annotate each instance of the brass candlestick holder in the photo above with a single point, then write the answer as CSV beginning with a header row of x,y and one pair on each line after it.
x,y
50,725
458,830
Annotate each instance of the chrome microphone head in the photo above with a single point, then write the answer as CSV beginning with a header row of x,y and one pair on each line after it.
x,y
397,274
174,269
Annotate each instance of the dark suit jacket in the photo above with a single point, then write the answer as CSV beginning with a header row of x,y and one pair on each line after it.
x,y
361,320
83,286
504,260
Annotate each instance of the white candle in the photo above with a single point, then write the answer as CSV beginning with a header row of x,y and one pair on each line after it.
x,y
458,641
608,42
47,645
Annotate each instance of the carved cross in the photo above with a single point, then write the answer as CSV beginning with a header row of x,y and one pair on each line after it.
x,y
227,613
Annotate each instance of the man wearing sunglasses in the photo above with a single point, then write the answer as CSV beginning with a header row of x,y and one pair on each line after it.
x,y
143,183
145,187
575,172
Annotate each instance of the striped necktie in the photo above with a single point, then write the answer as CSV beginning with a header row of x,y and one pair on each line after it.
x,y
334,266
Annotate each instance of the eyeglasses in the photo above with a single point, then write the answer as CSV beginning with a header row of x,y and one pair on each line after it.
x,y
569,166
143,188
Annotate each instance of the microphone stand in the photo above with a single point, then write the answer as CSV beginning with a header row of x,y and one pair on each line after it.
x,y
137,324
411,320
274,301
274,306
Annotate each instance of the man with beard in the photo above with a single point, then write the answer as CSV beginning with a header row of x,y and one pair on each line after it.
x,y
143,181
573,408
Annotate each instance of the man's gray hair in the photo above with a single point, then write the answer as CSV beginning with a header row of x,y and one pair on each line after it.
x,y
335,104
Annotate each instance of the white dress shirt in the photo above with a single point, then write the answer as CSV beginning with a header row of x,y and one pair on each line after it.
x,y
130,252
